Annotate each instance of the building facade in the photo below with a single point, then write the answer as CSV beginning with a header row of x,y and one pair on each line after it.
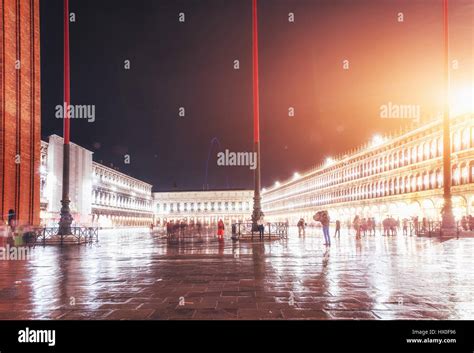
x,y
99,195
400,176
204,206
80,183
119,200
20,111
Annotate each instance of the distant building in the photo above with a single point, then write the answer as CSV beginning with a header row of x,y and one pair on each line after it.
x,y
99,195
204,206
119,200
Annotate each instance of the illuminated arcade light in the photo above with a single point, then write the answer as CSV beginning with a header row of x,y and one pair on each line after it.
x,y
296,175
277,183
377,140
329,161
264,190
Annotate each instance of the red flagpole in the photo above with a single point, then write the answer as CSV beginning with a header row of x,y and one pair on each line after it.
x,y
256,103
67,90
257,211
66,217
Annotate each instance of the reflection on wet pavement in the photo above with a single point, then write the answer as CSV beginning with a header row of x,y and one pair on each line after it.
x,y
131,274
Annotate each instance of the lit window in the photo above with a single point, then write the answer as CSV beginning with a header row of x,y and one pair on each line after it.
x,y
456,176
465,174
427,181
465,139
433,180
427,151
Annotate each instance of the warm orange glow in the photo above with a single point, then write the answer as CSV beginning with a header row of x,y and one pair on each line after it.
x,y
461,101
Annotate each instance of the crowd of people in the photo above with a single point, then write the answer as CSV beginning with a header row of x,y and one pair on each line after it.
x,y
13,233
182,227
360,226
467,223
363,226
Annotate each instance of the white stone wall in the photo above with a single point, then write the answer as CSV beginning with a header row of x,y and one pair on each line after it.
x,y
80,189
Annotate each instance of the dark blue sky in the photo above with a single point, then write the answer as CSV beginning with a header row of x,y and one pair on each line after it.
x,y
190,65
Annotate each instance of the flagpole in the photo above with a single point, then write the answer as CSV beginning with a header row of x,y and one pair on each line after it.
x,y
257,211
66,217
448,224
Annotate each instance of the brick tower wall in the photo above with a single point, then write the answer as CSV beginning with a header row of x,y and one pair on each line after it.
x,y
20,113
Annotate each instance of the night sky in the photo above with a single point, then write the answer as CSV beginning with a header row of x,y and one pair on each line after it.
x,y
191,65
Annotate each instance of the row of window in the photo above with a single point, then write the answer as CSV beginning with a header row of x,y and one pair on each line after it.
x,y
203,206
103,176
108,199
381,161
433,179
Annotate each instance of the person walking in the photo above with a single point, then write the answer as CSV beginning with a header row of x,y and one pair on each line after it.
x,y
261,227
220,229
416,224
464,223
11,219
325,222
369,225
301,226
405,226
338,228
363,226
356,225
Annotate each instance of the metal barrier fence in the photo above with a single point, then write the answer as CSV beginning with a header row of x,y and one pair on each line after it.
x,y
243,230
187,233
80,234
430,228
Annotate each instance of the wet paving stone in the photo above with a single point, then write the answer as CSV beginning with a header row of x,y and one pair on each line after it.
x,y
133,275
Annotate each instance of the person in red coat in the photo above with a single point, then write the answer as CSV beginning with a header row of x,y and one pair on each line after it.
x,y
220,229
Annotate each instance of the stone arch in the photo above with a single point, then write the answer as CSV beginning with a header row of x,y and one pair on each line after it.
x,y
455,175
414,209
429,209
459,206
